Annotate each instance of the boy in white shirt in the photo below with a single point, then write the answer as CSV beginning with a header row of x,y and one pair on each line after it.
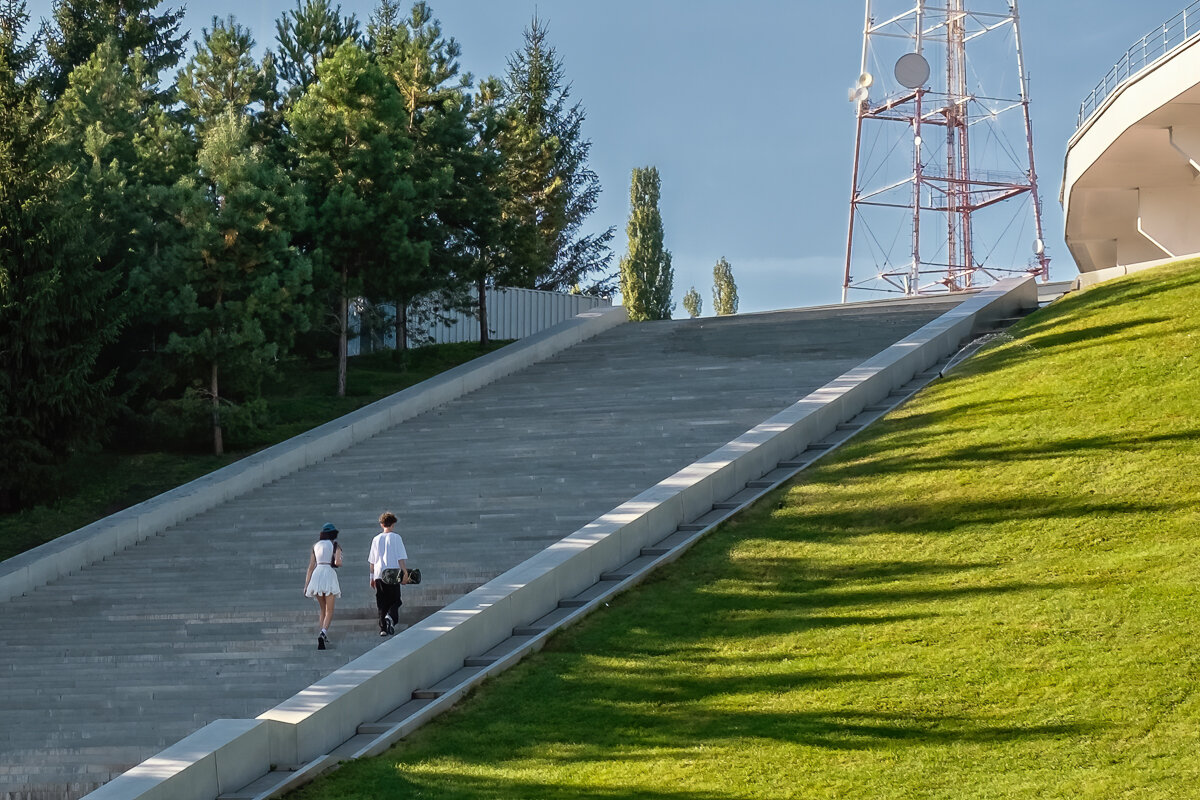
x,y
387,571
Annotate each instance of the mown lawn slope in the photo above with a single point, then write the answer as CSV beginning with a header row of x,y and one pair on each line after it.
x,y
990,594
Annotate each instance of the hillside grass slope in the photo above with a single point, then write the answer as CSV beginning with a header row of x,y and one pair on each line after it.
x,y
993,593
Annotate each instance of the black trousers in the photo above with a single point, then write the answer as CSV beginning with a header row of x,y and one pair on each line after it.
x,y
387,600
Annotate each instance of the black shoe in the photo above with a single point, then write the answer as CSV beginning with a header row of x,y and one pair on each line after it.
x,y
321,642
391,629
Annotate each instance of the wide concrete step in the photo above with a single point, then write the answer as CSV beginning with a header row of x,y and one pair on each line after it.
x,y
207,620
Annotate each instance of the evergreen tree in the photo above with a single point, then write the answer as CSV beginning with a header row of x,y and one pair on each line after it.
x,y
307,35
223,76
233,284
693,304
353,154
53,301
552,188
487,233
646,275
424,67
80,26
117,144
725,296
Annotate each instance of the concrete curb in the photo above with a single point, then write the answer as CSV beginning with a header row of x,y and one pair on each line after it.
x,y
310,726
103,538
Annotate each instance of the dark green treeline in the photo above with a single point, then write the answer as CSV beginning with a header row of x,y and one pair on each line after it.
x,y
176,219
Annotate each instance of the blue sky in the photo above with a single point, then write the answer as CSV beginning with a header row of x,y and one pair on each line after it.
x,y
742,108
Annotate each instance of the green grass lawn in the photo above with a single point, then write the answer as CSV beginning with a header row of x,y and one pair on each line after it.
x,y
300,398
990,594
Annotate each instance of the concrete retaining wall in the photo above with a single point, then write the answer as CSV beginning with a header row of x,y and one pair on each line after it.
x,y
114,533
1086,279
318,719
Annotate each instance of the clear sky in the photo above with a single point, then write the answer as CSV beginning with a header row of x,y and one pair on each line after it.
x,y
742,108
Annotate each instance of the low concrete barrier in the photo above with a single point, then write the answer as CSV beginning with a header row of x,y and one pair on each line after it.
x,y
68,553
317,720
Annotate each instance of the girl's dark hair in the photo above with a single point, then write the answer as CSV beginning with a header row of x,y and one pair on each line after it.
x,y
329,534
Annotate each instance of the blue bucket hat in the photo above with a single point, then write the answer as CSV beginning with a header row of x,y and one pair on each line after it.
x,y
328,527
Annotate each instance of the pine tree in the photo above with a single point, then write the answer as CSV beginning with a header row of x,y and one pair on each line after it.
x,y
54,318
307,35
353,155
553,190
646,275
693,304
80,26
725,296
486,235
222,75
234,285
118,144
424,67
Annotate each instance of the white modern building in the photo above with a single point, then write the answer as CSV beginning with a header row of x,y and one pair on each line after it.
x,y
1131,181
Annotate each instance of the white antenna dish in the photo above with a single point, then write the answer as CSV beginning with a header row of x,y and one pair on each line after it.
x,y
865,80
912,70
1039,247
858,95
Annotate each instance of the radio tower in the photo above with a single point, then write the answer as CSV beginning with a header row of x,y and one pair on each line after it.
x,y
943,151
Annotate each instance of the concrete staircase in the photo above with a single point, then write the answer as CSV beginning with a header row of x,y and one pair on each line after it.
x,y
107,666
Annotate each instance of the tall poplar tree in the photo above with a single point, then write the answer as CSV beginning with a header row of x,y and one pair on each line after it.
x,y
553,191
53,301
693,304
725,295
354,156
647,278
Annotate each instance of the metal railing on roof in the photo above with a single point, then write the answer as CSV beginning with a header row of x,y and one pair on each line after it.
x,y
1142,53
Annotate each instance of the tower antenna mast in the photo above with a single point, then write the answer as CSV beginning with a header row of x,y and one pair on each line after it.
x,y
943,149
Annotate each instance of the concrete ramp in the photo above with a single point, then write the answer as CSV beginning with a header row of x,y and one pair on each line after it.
x,y
110,664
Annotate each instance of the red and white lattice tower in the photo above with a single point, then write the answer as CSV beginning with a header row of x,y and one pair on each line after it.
x,y
944,192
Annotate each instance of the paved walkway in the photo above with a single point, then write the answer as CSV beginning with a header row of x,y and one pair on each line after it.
x,y
107,666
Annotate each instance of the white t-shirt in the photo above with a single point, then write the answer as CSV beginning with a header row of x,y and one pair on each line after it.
x,y
387,551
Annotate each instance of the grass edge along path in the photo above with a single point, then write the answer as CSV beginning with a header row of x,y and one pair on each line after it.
x,y
300,398
990,594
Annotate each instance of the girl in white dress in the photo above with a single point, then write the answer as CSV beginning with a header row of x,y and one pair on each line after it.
x,y
321,581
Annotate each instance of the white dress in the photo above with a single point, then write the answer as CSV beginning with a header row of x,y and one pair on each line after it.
x,y
324,579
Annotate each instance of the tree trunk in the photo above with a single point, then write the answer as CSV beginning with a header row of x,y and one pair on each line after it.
x,y
401,325
481,286
218,442
343,332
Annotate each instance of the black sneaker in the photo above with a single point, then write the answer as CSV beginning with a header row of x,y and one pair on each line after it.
x,y
391,629
383,633
321,642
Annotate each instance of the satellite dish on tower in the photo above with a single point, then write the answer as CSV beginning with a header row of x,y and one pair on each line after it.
x,y
912,70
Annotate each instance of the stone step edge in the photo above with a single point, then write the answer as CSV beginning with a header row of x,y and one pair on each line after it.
x,y
382,738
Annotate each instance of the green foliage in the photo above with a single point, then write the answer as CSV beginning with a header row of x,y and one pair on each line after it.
x,y
693,304
80,26
990,594
646,275
234,290
307,35
424,67
54,316
222,76
354,156
551,189
725,296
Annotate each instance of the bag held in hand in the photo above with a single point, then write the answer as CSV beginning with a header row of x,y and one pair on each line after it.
x,y
394,576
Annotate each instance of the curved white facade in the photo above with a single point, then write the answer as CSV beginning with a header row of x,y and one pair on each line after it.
x,y
1130,189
